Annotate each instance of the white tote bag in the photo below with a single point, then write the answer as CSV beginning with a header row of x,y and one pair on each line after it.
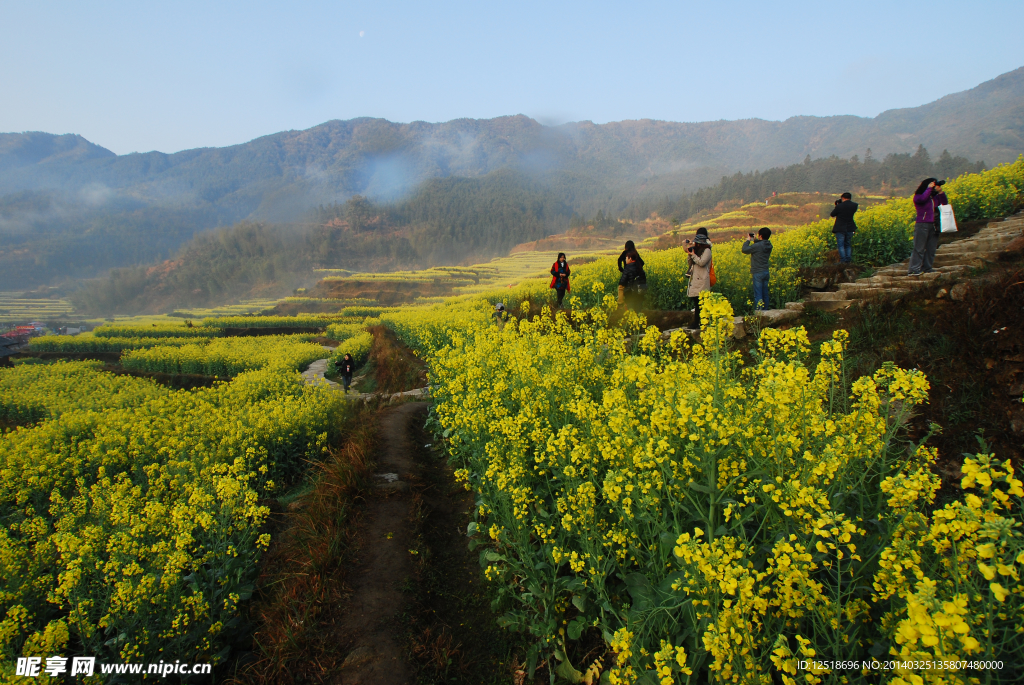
x,y
947,219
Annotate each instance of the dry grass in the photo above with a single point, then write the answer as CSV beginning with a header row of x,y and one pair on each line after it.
x,y
302,582
395,367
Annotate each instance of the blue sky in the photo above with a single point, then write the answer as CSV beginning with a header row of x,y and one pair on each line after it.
x,y
139,76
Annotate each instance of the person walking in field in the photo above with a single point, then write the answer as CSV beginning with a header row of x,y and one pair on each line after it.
x,y
560,277
633,281
630,247
347,368
927,198
844,227
699,258
759,247
500,315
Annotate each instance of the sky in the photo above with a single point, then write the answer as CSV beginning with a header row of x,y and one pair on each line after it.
x,y
140,76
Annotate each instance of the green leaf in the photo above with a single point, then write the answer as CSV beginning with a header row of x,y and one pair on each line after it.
x,y
579,603
640,590
531,660
566,670
471,529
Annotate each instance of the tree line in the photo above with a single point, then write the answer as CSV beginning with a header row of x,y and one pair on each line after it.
x,y
895,173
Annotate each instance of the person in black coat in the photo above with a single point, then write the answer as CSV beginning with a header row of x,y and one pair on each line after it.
x,y
845,227
347,367
630,247
633,281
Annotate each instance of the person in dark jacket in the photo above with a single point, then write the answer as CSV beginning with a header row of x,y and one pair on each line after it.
x,y
633,282
347,367
630,255
560,277
927,198
844,227
759,247
630,247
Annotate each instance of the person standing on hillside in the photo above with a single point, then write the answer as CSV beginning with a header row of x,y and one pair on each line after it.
x,y
699,258
500,315
633,282
347,367
759,247
845,227
630,247
560,277
927,197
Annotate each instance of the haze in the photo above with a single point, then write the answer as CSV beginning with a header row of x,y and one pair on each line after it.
x,y
172,76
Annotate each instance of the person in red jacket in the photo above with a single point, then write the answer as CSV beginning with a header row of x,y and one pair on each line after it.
x,y
560,277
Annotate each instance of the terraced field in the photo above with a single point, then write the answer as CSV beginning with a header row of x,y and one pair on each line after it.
x,y
14,308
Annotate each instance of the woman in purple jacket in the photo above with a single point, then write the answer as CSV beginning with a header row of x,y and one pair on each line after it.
x,y
927,198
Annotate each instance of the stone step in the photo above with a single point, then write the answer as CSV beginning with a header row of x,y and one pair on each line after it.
x,y
893,280
985,238
999,231
911,282
825,296
795,306
828,305
956,260
776,316
856,285
969,246
868,293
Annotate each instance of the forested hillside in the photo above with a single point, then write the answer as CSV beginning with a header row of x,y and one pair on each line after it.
x,y
897,173
70,208
447,221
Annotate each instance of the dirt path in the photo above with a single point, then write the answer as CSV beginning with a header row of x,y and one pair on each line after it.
x,y
373,639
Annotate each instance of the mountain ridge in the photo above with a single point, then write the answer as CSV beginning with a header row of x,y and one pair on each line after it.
x,y
384,160
70,208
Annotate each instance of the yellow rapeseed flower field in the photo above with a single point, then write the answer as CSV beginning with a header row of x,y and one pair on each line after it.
x,y
131,513
721,521
225,357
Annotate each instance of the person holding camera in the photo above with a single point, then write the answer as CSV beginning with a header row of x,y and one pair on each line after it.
x,y
927,199
759,247
698,255
844,227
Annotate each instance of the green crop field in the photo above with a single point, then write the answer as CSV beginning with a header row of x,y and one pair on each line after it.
x,y
14,308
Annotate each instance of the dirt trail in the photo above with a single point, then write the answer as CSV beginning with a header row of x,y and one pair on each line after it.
x,y
372,636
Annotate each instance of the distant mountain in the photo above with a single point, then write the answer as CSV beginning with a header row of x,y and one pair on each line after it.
x,y
52,185
21,150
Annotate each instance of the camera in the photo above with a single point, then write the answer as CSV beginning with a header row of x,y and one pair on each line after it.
x,y
838,201
940,183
